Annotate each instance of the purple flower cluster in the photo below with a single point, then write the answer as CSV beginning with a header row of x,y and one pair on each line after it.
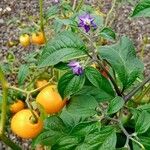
x,y
87,21
76,67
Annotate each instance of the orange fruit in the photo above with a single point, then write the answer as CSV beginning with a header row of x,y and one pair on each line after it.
x,y
41,83
50,99
38,38
22,125
24,40
17,106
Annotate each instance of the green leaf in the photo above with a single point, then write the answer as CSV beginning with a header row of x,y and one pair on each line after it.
x,y
70,120
66,143
82,105
64,47
115,105
143,123
99,94
98,80
22,74
123,59
54,123
142,9
51,11
135,146
86,127
103,140
69,84
108,33
54,128
145,141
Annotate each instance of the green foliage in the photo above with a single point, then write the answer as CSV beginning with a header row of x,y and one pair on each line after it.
x,y
83,135
22,74
145,141
108,33
98,93
142,124
64,47
98,114
142,9
115,105
123,59
69,84
51,12
94,76
82,105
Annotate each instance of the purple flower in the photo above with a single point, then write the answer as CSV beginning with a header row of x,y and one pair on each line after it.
x,y
87,21
76,67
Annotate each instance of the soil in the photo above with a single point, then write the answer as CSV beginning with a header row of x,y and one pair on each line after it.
x,y
14,14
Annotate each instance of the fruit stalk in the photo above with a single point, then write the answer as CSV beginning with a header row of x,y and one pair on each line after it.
x,y
4,102
80,5
74,4
42,18
109,13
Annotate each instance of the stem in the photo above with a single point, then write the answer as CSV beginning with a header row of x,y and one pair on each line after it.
x,y
35,90
95,57
4,102
10,143
129,136
109,13
41,17
111,78
141,145
135,90
5,139
80,5
31,109
74,4
17,89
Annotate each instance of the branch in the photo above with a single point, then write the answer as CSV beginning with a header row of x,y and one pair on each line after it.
x,y
4,102
135,90
109,13
95,57
74,4
10,143
41,18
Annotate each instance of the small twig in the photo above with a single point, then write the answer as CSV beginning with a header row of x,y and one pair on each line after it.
x,y
42,18
141,145
9,142
80,5
129,136
4,102
18,89
135,90
74,4
28,93
109,13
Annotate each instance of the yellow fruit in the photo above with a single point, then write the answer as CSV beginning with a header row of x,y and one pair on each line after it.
x,y
17,106
22,125
38,38
41,83
50,99
24,40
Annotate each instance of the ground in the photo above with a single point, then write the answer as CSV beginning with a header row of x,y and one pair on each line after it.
x,y
14,14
